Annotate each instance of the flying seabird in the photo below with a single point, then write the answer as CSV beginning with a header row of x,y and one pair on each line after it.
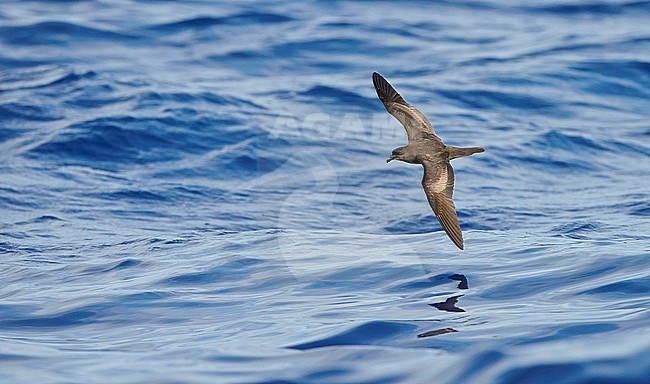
x,y
425,147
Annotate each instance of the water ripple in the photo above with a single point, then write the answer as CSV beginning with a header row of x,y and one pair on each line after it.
x,y
205,186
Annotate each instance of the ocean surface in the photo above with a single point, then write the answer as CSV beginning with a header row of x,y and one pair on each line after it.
x,y
197,192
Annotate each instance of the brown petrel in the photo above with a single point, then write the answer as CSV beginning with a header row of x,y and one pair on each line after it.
x,y
425,147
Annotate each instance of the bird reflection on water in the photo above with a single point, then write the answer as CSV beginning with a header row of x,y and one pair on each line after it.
x,y
449,305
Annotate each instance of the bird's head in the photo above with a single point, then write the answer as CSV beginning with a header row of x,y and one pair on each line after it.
x,y
398,154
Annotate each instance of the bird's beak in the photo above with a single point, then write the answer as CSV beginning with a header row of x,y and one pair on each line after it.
x,y
393,157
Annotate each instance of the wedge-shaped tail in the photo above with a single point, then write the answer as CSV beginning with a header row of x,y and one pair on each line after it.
x,y
455,152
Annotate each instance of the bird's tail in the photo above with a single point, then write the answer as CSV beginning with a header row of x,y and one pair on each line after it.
x,y
455,152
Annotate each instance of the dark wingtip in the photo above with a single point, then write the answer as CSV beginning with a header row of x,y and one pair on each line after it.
x,y
376,80
385,91
445,211
458,241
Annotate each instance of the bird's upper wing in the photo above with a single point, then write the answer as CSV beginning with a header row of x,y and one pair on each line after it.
x,y
416,124
438,183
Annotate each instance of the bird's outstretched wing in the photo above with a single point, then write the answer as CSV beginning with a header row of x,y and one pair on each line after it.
x,y
416,124
438,183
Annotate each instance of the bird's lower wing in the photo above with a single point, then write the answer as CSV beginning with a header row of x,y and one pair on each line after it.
x,y
445,211
438,184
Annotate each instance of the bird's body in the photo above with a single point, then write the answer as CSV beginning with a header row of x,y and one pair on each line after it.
x,y
425,147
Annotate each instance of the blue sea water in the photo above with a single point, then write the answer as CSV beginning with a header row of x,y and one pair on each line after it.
x,y
196,192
